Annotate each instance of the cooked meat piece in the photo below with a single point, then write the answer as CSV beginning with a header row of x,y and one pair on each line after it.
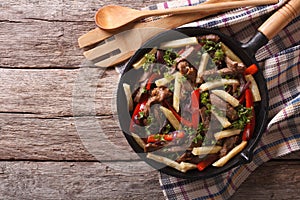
x,y
188,157
231,113
217,102
150,147
236,67
139,92
186,69
205,118
159,94
229,143
220,72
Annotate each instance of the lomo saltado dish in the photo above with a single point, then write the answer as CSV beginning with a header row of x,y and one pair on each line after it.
x,y
193,105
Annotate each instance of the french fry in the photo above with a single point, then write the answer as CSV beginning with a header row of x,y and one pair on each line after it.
x,y
164,81
226,133
128,95
138,140
197,151
253,87
222,161
183,166
170,116
226,97
179,43
223,120
140,63
177,89
202,66
217,83
229,53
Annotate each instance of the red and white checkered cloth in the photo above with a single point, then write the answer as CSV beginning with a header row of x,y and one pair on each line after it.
x,y
280,59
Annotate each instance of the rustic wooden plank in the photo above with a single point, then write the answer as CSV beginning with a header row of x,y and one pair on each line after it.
x,y
58,92
91,180
26,137
74,180
37,34
273,180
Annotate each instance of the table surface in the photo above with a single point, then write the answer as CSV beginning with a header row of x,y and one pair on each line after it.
x,y
42,151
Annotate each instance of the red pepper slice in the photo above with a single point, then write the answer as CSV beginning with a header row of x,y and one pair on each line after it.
x,y
178,117
152,139
210,159
195,107
135,116
167,137
249,128
252,69
150,81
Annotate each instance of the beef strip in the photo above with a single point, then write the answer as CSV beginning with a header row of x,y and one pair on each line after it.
x,y
221,72
229,143
205,119
237,67
188,157
150,147
231,113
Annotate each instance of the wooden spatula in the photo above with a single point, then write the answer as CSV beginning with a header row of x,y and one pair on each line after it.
x,y
128,39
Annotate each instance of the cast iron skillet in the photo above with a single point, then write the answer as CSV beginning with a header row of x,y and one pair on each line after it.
x,y
246,53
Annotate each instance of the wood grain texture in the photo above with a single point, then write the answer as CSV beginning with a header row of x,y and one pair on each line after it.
x,y
91,180
50,97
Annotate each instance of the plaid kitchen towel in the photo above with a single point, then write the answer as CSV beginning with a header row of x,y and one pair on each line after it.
x,y
280,60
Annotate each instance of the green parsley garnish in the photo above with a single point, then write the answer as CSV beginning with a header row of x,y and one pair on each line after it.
x,y
244,117
150,58
169,57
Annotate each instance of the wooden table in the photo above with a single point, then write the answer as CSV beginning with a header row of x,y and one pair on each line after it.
x,y
42,152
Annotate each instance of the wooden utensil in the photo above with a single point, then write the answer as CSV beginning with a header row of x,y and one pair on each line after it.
x,y
113,16
101,55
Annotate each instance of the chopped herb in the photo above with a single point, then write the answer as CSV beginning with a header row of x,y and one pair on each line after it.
x,y
150,58
204,98
189,130
143,90
169,57
150,119
171,86
141,115
244,117
219,55
198,138
167,129
167,75
209,106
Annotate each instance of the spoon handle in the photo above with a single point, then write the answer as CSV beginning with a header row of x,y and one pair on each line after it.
x,y
207,7
280,19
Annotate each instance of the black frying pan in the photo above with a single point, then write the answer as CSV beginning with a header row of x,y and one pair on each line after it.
x,y
246,53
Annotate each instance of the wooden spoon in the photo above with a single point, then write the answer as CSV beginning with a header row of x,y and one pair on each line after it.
x,y
112,16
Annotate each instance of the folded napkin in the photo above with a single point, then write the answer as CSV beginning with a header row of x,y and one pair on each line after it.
x,y
280,61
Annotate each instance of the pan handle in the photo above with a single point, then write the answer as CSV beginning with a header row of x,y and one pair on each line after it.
x,y
280,19
273,26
